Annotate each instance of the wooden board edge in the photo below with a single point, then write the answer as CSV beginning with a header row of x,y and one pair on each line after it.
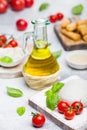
x,y
64,46
72,47
49,116
9,76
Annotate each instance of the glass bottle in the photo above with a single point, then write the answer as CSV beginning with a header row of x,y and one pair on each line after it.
x,y
41,61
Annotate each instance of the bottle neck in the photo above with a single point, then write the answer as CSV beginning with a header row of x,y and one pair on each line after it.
x,y
41,49
40,35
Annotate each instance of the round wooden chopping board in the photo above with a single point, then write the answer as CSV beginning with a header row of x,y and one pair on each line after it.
x,y
11,72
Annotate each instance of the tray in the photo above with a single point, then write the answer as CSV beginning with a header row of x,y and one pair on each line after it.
x,y
78,123
67,43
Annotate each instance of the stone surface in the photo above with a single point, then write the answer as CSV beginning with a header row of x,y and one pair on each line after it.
x,y
9,120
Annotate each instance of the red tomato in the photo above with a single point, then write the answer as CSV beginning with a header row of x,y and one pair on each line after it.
x,y
69,113
1,43
21,24
62,105
17,5
38,119
29,3
7,46
3,6
77,106
53,18
8,1
3,38
59,16
13,43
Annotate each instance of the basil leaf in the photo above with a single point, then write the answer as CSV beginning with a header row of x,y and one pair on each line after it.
x,y
6,59
57,53
56,87
21,110
52,101
43,6
13,92
52,97
48,92
77,9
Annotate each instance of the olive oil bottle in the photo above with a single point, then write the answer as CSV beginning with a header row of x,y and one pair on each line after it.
x,y
41,62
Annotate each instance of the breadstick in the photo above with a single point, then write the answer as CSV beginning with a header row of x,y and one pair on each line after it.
x,y
81,22
82,29
71,26
85,38
72,35
65,22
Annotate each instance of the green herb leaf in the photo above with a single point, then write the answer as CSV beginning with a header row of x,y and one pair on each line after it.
x,y
52,97
6,59
43,6
21,110
77,9
13,92
48,92
52,101
57,86
57,53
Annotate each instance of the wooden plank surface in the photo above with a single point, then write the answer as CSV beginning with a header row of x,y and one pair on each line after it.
x,y
67,43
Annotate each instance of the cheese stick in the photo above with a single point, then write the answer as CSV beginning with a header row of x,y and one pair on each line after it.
x,y
71,26
82,29
85,38
65,22
81,22
72,35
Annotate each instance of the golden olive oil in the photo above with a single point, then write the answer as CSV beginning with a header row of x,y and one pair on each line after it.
x,y
41,63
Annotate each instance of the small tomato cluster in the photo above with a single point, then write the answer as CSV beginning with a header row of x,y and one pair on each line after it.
x,y
70,110
16,5
7,43
56,17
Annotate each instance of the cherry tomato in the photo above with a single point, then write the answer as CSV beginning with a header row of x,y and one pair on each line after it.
x,y
69,113
8,1
3,6
17,5
29,3
77,106
7,46
1,43
3,38
53,18
38,119
13,43
59,16
62,105
21,24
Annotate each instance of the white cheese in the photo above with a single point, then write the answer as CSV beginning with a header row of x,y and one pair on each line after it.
x,y
74,90
15,53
